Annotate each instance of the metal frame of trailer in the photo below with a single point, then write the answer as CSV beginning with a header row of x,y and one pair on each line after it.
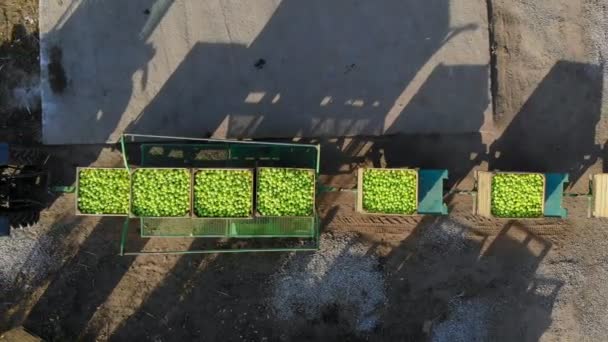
x,y
254,234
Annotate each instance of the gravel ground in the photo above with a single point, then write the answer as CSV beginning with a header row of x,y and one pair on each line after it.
x,y
340,277
26,259
467,322
563,299
580,308
597,11
446,234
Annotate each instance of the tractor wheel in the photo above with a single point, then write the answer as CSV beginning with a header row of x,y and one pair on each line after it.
x,y
23,156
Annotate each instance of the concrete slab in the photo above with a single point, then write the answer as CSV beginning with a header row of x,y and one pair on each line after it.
x,y
264,68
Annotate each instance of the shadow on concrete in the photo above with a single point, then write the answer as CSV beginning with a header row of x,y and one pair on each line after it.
x,y
310,73
457,152
315,69
555,129
95,83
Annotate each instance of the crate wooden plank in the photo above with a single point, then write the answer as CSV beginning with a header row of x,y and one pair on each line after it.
x,y
430,192
554,191
600,195
360,190
483,204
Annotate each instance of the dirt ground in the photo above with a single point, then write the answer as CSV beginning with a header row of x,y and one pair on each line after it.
x,y
19,72
453,278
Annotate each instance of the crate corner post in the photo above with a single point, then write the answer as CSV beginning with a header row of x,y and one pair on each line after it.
x,y
554,193
483,201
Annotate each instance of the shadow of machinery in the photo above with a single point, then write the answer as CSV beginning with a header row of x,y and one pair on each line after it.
x,y
226,296
205,296
555,129
335,78
553,132
229,297
89,275
518,253
443,264
441,107
101,96
308,73
462,110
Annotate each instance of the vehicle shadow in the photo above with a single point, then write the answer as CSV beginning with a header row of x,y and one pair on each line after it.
x,y
211,297
433,146
231,297
451,282
555,129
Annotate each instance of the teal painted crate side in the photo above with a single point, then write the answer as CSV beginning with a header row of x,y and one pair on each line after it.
x,y
430,192
554,193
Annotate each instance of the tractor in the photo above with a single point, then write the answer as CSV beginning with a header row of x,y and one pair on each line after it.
x,y
24,184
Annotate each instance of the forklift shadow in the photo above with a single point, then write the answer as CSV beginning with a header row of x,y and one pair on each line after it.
x,y
555,129
443,266
519,253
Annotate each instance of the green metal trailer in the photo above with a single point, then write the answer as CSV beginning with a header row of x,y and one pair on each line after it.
x,y
257,233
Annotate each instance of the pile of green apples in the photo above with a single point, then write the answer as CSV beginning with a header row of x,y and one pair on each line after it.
x,y
517,195
390,191
161,192
223,193
285,192
103,191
